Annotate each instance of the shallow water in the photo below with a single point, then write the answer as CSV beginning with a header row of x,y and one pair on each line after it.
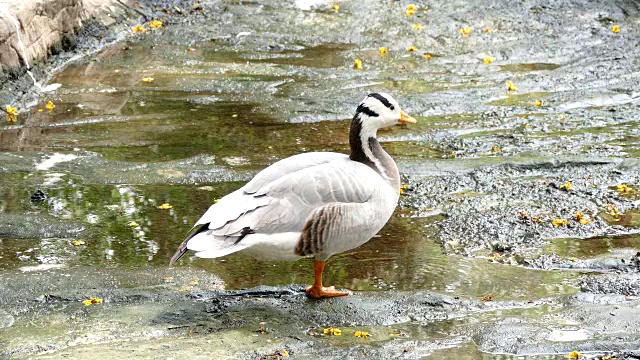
x,y
406,255
222,106
602,246
136,145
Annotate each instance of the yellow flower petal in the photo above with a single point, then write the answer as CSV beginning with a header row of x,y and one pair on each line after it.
x,y
567,186
487,30
412,7
11,110
511,86
612,210
412,48
582,219
50,105
92,301
495,148
417,26
615,29
39,110
165,206
77,242
138,28
148,79
357,64
133,224
538,103
155,24
574,355
336,7
559,222
333,331
488,60
427,56
383,51
465,31
624,188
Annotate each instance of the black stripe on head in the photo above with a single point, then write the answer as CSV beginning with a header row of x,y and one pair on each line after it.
x,y
362,109
383,100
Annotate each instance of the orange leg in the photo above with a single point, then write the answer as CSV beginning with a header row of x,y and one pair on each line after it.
x,y
317,291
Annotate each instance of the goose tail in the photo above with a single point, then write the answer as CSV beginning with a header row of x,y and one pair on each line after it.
x,y
182,249
207,245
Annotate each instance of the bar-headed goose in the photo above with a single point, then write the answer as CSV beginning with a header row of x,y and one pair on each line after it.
x,y
312,204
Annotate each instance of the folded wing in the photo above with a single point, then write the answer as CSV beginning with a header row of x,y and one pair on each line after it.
x,y
279,200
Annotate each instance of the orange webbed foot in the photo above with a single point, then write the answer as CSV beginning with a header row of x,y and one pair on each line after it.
x,y
318,292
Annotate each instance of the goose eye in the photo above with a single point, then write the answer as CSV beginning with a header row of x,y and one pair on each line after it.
x,y
392,107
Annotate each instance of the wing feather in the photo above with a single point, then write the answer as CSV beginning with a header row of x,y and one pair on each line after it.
x,y
242,201
288,166
289,204
281,198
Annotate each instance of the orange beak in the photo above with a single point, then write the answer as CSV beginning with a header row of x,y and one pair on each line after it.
x,y
404,118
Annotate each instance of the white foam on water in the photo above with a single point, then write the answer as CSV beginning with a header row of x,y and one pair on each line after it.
x,y
309,4
55,159
569,335
41,267
51,87
601,100
52,178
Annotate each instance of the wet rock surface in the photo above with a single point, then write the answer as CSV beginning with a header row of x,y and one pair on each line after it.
x,y
516,234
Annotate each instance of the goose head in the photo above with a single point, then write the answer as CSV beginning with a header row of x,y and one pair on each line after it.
x,y
379,110
376,111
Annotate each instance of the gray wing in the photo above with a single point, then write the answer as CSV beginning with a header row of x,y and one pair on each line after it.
x,y
284,204
288,166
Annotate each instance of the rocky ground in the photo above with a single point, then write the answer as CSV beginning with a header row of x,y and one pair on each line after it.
x,y
516,234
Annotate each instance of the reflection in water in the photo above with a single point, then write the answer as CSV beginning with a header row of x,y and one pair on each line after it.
x,y
214,107
322,56
195,116
593,247
405,256
529,67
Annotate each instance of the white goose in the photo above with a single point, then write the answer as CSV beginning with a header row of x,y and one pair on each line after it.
x,y
312,204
